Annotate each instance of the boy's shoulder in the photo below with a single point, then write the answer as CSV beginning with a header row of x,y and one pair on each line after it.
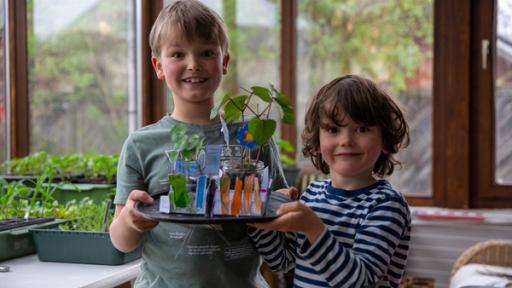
x,y
385,192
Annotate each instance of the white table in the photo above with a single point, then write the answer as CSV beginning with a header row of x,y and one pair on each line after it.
x,y
29,272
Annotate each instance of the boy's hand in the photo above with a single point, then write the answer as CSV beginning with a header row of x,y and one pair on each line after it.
x,y
132,217
295,217
291,192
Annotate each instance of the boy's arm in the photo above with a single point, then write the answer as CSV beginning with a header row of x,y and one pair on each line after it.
x,y
128,225
370,257
276,248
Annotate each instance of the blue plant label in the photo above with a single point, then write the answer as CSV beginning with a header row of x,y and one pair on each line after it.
x,y
200,192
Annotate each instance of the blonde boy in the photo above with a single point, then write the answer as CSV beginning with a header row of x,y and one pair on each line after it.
x,y
190,52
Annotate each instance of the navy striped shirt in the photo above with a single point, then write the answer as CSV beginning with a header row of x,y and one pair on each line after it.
x,y
364,244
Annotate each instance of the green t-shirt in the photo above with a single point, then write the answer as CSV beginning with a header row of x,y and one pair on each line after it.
x,y
188,255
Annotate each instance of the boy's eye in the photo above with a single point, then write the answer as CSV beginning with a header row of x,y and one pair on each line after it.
x,y
362,129
208,53
177,55
331,129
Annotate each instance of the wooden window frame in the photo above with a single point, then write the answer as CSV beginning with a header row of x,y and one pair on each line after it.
x,y
463,134
486,192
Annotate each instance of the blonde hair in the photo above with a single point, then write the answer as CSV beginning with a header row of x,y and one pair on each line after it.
x,y
191,20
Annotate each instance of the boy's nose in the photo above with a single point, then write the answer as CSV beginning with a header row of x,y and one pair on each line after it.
x,y
193,64
345,139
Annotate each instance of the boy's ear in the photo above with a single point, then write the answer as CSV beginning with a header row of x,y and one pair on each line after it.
x,y
158,67
225,62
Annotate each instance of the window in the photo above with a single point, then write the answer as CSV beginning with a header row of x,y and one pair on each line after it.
x,y
503,93
80,55
492,138
390,42
460,115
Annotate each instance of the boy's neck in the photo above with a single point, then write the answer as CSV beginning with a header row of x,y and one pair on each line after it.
x,y
194,115
351,183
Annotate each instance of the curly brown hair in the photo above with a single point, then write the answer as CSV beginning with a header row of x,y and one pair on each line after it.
x,y
365,103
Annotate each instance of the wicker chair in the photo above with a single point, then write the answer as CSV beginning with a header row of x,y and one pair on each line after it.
x,y
490,252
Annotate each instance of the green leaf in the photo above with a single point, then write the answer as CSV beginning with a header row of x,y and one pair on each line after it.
x,y
285,145
263,93
233,109
172,154
286,107
177,132
178,183
262,129
287,161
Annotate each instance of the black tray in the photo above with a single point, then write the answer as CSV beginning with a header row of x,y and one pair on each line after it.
x,y
152,212
11,223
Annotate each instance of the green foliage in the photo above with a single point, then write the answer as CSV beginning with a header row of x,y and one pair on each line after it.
x,y
383,39
286,146
87,216
185,146
78,77
260,126
18,200
65,166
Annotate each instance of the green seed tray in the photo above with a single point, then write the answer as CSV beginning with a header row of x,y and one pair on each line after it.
x,y
18,242
55,245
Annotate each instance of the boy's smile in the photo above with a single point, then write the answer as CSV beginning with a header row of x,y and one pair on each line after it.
x,y
351,151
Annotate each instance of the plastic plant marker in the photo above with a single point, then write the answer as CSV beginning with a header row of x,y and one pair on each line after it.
x,y
236,203
257,198
224,193
248,185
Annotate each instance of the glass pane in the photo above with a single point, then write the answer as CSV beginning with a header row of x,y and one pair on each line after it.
x,y
3,90
503,93
254,33
80,58
390,42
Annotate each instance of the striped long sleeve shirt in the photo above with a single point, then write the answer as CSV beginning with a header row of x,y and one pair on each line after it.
x,y
364,244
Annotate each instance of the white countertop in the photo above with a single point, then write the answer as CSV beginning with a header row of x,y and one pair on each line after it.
x,y
28,271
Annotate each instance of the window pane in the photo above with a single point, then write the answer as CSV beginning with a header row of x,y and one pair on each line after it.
x,y
80,56
503,93
390,42
3,89
253,28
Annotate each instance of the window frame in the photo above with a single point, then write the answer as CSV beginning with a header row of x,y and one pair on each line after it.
x,y
463,135
486,192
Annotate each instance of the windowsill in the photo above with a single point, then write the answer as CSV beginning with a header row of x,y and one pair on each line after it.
x,y
445,216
